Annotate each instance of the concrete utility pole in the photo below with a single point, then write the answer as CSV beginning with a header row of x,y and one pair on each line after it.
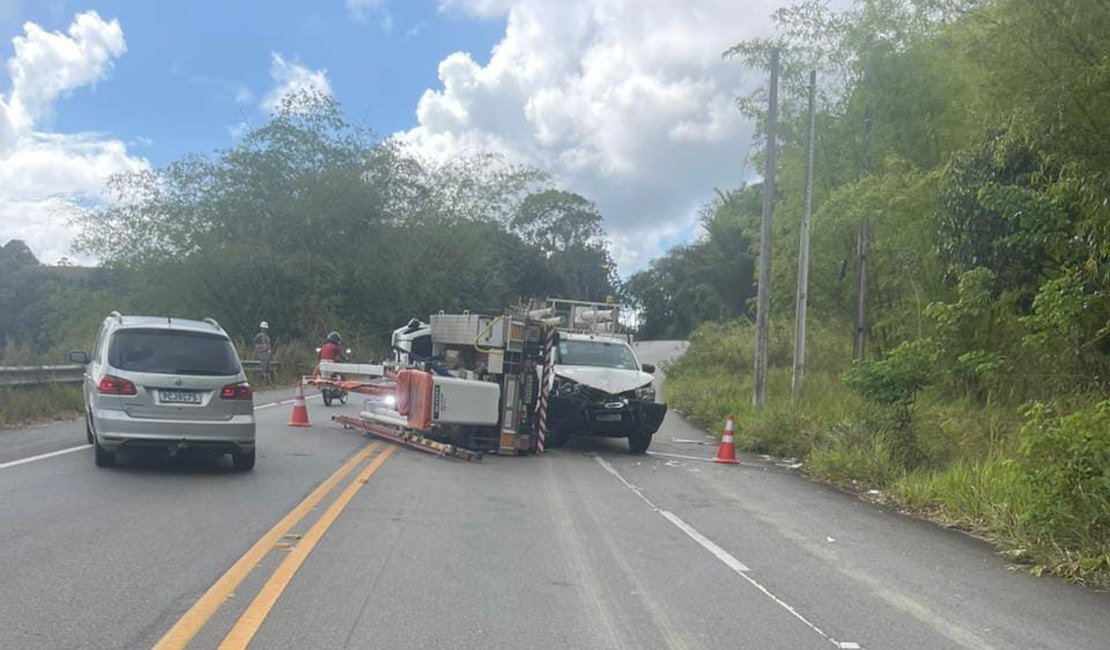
x,y
803,249
862,244
763,298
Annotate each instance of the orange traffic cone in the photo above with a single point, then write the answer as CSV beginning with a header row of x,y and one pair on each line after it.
x,y
726,451
300,412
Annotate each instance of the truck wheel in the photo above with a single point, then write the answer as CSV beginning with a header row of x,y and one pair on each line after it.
x,y
557,438
327,397
639,441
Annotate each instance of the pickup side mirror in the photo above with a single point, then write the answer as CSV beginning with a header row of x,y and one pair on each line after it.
x,y
648,368
78,356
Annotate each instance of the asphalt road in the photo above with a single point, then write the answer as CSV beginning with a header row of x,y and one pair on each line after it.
x,y
337,541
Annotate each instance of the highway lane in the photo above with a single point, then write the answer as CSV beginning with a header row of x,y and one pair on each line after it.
x,y
111,558
583,547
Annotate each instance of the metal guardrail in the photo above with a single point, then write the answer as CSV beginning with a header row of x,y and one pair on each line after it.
x,y
30,375
65,374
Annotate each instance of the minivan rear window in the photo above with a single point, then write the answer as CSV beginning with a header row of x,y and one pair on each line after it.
x,y
172,352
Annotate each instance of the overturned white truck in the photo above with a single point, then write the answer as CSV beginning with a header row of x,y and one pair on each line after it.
x,y
595,386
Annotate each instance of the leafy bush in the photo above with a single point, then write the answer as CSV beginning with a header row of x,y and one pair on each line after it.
x,y
1067,457
898,377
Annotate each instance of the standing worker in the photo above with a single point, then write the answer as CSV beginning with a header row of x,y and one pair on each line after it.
x,y
264,350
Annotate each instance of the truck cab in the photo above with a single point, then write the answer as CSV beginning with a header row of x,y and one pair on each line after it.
x,y
412,343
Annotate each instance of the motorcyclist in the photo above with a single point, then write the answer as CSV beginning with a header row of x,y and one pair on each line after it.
x,y
330,350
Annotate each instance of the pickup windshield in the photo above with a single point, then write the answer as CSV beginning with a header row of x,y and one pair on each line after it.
x,y
602,354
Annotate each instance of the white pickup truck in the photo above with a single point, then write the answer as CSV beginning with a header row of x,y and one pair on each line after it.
x,y
600,389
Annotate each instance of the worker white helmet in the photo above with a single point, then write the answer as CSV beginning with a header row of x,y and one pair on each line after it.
x,y
264,325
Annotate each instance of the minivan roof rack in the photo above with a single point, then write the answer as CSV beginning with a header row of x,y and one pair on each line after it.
x,y
116,315
212,321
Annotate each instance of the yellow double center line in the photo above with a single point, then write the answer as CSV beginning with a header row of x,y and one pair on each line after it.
x,y
188,625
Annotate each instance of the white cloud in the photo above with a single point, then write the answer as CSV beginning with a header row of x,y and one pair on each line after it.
x,y
49,64
628,102
292,78
43,175
243,95
478,8
238,130
361,9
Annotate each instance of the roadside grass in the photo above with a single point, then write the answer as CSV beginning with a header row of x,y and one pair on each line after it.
x,y
1034,481
990,497
22,405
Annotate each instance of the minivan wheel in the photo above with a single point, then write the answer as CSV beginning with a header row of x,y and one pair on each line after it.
x,y
104,458
243,461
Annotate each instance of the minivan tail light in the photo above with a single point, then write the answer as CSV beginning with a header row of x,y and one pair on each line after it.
x,y
237,391
110,385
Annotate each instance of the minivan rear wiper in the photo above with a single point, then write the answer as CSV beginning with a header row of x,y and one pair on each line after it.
x,y
202,371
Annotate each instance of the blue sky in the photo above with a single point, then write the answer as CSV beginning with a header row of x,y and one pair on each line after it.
x,y
176,84
627,102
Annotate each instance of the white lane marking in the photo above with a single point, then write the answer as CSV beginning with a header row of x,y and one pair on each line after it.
x,y
31,459
52,454
613,470
724,556
720,553
660,453
290,401
703,460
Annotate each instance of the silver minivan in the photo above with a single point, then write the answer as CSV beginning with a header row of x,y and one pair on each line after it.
x,y
167,383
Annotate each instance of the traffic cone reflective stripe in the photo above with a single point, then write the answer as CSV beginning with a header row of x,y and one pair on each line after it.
x,y
300,411
726,451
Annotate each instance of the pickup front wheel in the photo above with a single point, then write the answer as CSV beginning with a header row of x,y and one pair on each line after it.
x,y
639,441
557,438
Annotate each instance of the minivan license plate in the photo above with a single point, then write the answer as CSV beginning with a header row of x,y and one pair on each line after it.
x,y
179,397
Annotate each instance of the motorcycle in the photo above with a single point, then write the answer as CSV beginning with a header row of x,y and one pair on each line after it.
x,y
331,393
